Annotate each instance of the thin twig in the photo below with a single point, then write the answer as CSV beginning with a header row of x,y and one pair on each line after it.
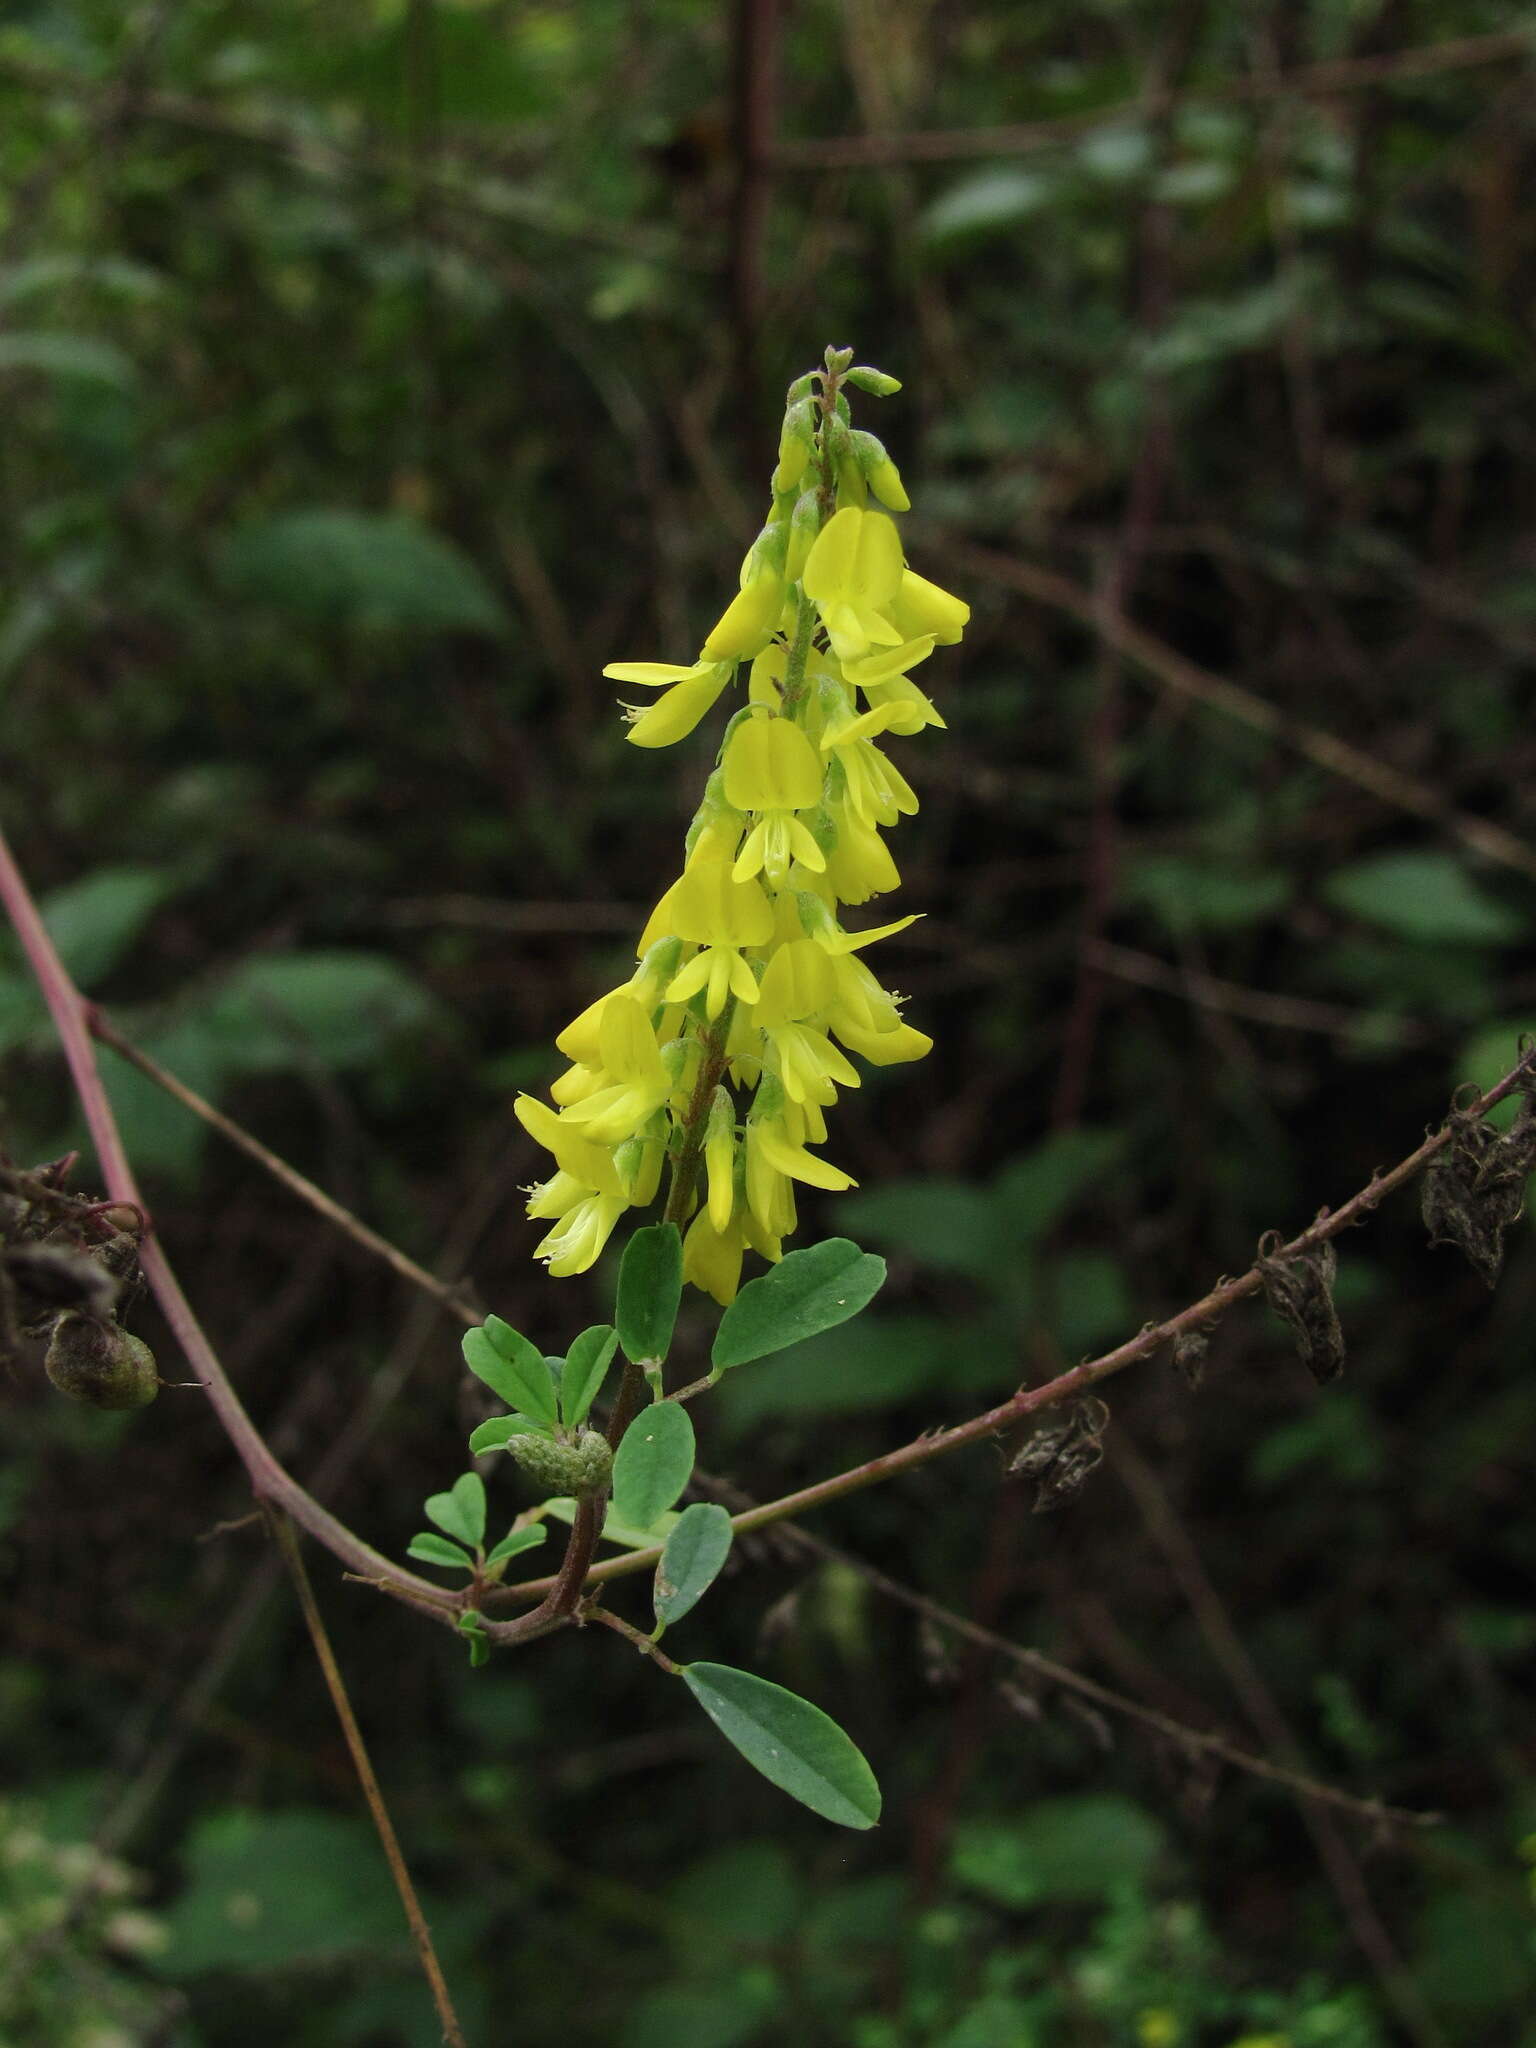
x,y
288,1546
1196,1740
1187,679
643,1643
1210,992
1066,1386
106,1032
1346,74
1342,1870
269,1481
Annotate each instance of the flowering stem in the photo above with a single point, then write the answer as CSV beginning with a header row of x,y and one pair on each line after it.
x,y
793,692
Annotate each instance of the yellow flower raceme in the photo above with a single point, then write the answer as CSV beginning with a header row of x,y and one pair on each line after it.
x,y
732,1038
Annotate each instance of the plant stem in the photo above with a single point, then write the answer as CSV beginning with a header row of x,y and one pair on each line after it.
x,y
1029,1401
641,1642
288,1547
269,1481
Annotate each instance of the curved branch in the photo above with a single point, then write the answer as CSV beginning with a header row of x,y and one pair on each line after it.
x,y
1029,1401
269,1481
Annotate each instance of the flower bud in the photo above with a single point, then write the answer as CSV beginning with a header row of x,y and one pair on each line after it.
x,y
579,1468
883,475
796,442
100,1364
804,525
839,443
875,382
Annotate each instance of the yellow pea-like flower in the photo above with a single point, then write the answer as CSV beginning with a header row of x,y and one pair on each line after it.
x,y
853,574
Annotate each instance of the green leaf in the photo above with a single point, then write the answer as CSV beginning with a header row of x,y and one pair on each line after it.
x,y
461,1511
512,1368
652,1464
68,355
586,1366
496,1434
1058,1851
695,1551
271,1890
279,1011
812,1290
438,1550
517,1542
471,1625
795,1745
562,1508
359,570
650,1288
985,203
1423,896
94,921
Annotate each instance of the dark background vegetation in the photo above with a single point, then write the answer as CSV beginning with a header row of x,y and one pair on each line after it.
x,y
373,373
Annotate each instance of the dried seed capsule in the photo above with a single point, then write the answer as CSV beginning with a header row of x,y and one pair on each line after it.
x,y
100,1364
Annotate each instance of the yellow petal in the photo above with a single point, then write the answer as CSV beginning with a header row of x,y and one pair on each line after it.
x,y
673,716
654,674
922,607
712,909
770,765
747,624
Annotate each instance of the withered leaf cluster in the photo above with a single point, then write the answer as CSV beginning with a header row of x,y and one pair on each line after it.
x,y
1474,1187
1299,1288
1060,1456
69,1266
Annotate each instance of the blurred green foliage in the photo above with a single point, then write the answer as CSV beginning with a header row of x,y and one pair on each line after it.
x,y
371,377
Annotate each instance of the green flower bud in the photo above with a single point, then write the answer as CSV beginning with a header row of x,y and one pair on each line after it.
x,y
875,382
99,1364
884,477
579,1468
839,443
796,444
838,359
804,525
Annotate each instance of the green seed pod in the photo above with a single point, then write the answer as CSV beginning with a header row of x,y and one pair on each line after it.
x,y
99,1364
579,1468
